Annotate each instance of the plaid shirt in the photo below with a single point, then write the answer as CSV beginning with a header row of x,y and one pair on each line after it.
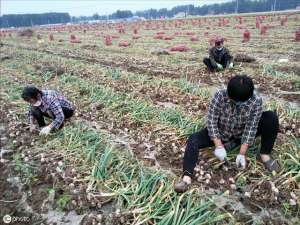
x,y
227,120
52,103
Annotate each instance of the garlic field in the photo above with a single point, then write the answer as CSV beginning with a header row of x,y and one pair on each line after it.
x,y
140,89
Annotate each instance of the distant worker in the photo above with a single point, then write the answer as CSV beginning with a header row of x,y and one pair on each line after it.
x,y
219,57
235,118
46,103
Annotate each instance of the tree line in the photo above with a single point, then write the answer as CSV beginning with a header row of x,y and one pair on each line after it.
x,y
26,20
235,6
240,6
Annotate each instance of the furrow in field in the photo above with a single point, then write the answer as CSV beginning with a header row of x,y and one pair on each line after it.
x,y
192,72
190,104
182,94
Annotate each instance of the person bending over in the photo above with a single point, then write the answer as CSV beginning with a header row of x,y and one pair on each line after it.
x,y
235,118
46,103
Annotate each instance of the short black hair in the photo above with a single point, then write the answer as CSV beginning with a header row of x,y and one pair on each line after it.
x,y
240,88
30,92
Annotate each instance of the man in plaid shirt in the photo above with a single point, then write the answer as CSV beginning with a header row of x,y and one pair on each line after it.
x,y
47,103
235,117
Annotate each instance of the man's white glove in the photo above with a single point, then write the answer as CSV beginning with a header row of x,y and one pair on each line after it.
x,y
45,131
240,161
220,153
230,65
220,67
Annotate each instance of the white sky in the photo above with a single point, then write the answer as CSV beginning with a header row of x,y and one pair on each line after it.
x,y
89,7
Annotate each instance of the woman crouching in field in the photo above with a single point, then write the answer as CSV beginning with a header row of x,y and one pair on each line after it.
x,y
235,118
46,103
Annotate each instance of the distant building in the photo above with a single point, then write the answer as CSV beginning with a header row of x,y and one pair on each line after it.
x,y
135,19
180,15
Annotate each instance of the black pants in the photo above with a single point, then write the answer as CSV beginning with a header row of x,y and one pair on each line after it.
x,y
224,61
39,115
268,128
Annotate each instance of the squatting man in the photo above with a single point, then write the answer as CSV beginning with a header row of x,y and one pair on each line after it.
x,y
46,103
219,57
235,118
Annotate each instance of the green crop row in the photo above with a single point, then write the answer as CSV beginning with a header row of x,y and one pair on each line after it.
x,y
144,195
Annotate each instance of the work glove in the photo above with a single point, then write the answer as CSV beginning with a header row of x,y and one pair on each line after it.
x,y
220,67
220,153
45,131
230,65
240,161
40,41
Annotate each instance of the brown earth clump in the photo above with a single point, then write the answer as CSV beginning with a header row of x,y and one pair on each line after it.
x,y
26,33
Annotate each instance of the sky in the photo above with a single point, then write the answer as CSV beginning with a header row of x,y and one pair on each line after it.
x,y
89,7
